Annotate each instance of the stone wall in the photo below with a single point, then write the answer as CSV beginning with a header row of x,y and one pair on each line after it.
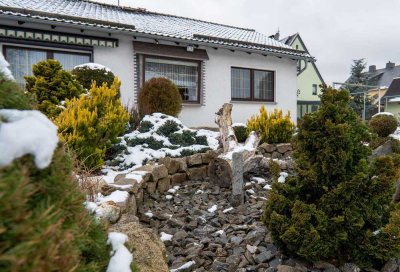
x,y
152,180
276,151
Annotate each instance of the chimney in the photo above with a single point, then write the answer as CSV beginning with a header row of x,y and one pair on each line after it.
x,y
372,68
390,65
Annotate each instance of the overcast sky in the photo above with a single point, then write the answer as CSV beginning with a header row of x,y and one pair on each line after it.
x,y
334,31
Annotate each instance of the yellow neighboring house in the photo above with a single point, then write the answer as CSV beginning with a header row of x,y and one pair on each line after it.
x,y
309,79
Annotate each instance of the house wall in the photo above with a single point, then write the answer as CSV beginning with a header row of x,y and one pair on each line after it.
x,y
306,79
393,107
218,87
217,77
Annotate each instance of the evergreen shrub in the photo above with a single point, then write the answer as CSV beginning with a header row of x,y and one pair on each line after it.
x,y
90,124
44,225
338,206
159,95
168,128
145,126
274,127
87,75
51,85
383,125
241,133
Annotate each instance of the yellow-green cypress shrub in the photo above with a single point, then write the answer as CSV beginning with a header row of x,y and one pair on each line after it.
x,y
274,127
91,123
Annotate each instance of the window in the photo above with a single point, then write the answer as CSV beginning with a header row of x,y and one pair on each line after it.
x,y
22,59
185,74
252,85
314,89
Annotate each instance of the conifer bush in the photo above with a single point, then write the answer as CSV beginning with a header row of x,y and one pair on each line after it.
x,y
51,85
383,125
338,206
87,75
159,95
90,124
240,133
44,225
274,127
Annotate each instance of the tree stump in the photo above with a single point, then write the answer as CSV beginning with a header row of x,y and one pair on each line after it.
x,y
223,170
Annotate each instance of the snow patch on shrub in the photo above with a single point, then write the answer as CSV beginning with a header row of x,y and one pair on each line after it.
x,y
121,257
93,66
26,132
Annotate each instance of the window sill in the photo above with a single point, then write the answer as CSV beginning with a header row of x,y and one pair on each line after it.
x,y
253,102
193,104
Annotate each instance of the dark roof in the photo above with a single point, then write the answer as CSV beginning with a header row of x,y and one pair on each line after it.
x,y
394,88
383,77
82,12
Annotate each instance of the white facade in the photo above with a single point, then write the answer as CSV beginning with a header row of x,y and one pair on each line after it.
x,y
217,78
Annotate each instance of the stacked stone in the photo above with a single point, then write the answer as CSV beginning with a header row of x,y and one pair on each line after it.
x,y
276,151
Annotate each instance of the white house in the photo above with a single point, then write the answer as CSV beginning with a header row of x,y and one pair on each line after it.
x,y
211,63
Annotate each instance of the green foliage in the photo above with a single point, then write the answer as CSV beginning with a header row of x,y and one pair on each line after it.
x,y
383,125
44,226
151,142
160,95
145,126
187,138
274,127
275,169
335,203
241,133
168,128
86,76
51,85
90,124
377,141
12,97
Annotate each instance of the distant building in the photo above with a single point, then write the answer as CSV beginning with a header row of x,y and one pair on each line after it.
x,y
391,99
309,79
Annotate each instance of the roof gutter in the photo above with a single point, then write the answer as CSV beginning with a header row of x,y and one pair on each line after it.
x,y
120,28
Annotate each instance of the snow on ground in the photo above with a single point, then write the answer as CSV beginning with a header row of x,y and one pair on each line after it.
x,y
227,210
259,180
165,236
238,125
116,196
396,134
135,154
149,214
248,146
282,177
121,257
93,66
212,209
27,132
184,266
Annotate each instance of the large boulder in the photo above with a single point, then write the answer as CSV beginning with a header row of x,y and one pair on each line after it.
x,y
164,184
383,150
150,252
194,160
197,173
178,178
172,165
283,148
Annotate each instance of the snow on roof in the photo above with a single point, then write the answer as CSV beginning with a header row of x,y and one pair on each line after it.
x,y
396,99
383,113
142,21
37,136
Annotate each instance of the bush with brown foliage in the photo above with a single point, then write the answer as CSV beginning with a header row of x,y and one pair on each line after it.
x,y
160,95
383,125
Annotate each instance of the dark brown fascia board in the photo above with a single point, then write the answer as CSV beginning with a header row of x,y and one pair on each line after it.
x,y
217,40
65,18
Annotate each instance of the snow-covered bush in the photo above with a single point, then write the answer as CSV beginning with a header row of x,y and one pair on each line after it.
x,y
89,72
338,207
383,124
44,226
159,95
90,124
158,136
274,127
51,85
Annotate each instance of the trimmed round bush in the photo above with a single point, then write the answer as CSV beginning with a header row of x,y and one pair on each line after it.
x,y
86,74
383,125
160,95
